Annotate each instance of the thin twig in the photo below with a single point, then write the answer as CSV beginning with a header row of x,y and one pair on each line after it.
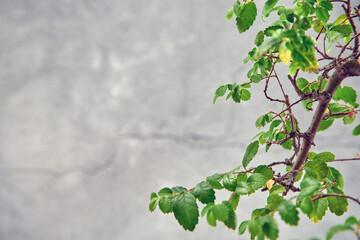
x,y
335,195
346,159
348,14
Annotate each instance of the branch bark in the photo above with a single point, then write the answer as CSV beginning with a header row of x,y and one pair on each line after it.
x,y
348,69
336,195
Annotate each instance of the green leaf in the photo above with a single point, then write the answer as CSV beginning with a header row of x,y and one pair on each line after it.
x,y
259,212
245,95
345,29
276,189
347,94
250,153
306,205
238,8
322,14
269,31
247,16
274,124
243,226
236,94
305,59
178,189
256,181
348,120
302,83
244,188
305,8
338,229
229,181
204,192
220,92
273,201
165,204
270,227
268,8
317,169
311,155
165,192
259,39
186,210
318,25
308,186
318,210
325,157
325,124
356,131
260,121
288,213
341,19
266,45
214,180
234,200
325,4
254,227
302,22
265,171
242,177
255,78
154,199
206,209
335,175
231,221
220,211
307,104
322,10
337,205
229,14
247,85
211,219
352,220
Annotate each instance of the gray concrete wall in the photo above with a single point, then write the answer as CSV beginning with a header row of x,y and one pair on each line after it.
x,y
103,102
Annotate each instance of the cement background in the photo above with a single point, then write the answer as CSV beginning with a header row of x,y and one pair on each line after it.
x,y
103,102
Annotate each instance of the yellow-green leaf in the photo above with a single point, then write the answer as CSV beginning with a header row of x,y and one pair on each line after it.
x,y
284,53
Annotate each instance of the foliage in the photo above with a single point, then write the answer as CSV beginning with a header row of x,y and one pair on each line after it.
x,y
302,37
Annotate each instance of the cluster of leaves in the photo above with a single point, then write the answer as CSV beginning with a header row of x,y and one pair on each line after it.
x,y
320,186
316,177
237,92
286,41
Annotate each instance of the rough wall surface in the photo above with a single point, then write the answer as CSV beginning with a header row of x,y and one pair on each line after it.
x,y
102,102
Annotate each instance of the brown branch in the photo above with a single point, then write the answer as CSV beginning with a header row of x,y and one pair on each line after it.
x,y
346,159
346,46
326,116
324,54
297,89
267,85
342,1
347,69
352,23
335,195
279,163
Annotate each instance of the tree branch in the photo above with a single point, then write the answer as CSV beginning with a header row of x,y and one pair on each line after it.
x,y
348,69
335,195
346,159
